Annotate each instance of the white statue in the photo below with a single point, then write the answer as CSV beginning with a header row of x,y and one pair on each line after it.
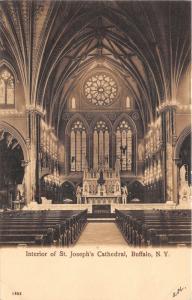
x,y
184,190
124,194
20,193
78,194
85,190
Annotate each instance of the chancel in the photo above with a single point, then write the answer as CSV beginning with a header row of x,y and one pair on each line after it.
x,y
95,121
102,186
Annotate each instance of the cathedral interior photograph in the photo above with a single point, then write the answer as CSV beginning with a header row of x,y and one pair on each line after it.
x,y
95,123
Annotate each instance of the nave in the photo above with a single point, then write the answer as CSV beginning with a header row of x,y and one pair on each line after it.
x,y
102,234
96,109
95,122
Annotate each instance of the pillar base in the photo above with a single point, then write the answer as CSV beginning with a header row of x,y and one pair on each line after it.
x,y
170,203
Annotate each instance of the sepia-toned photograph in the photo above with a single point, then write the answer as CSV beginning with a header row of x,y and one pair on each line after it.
x,y
95,128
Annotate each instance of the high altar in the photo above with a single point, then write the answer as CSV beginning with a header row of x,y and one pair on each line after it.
x,y
102,186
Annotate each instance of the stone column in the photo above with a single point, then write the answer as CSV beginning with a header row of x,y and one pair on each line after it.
x,y
33,120
176,163
168,125
27,182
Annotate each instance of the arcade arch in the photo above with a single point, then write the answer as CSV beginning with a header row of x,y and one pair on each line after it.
x,y
14,183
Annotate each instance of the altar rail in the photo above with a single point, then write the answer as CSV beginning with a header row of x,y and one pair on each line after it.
x,y
141,206
135,206
47,206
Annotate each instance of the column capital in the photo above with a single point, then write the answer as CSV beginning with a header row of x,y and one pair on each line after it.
x,y
167,105
24,163
35,109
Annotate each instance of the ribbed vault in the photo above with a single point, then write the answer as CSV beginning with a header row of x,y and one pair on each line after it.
x,y
53,43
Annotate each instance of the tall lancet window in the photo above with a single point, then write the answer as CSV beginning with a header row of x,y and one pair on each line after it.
x,y
78,147
128,102
124,145
7,88
100,145
73,103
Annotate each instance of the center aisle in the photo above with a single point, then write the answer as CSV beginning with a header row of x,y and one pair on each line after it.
x,y
101,234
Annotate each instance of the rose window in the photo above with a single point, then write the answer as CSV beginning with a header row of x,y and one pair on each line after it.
x,y
100,90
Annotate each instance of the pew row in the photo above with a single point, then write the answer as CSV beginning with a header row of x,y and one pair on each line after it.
x,y
43,228
155,227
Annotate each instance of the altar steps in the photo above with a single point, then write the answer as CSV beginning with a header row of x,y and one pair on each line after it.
x,y
101,220
101,217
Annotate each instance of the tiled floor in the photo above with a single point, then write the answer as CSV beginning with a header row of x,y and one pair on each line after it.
x,y
101,234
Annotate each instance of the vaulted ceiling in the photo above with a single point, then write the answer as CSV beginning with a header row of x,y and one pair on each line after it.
x,y
52,43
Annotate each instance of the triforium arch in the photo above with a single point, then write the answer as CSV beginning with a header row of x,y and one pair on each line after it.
x,y
101,142
76,144
125,143
14,140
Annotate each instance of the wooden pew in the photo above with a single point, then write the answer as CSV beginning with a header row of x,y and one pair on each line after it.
x,y
53,226
20,238
138,227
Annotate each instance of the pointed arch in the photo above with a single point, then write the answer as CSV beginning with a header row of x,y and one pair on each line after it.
x,y
7,87
186,131
124,130
77,131
4,126
74,118
132,181
68,190
101,131
70,182
101,117
127,118
6,64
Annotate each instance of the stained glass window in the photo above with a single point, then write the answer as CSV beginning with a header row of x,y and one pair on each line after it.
x,y
100,145
124,145
128,102
73,103
78,147
7,88
100,90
